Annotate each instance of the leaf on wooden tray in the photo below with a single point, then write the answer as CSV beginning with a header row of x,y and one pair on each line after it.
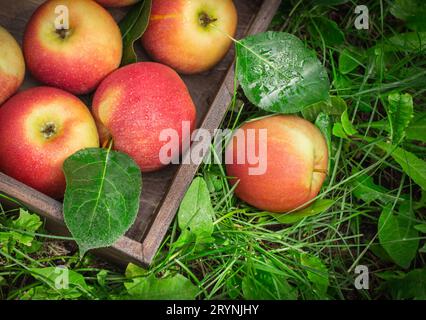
x,y
102,196
400,112
397,235
279,74
132,27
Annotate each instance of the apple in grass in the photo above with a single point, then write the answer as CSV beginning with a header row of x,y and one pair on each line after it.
x,y
191,36
138,103
41,127
76,59
295,156
12,65
116,3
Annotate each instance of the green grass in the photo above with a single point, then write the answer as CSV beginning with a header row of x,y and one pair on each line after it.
x,y
250,254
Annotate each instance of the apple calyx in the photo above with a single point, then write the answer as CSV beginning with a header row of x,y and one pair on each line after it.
x,y
63,33
49,130
205,20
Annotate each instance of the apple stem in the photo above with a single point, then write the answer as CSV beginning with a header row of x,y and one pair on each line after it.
x,y
205,19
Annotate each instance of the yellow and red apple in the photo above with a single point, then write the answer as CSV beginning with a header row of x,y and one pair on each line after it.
x,y
191,36
138,102
296,160
12,65
116,3
76,59
40,128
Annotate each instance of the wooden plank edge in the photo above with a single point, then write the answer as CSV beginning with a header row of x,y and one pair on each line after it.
x,y
180,184
123,251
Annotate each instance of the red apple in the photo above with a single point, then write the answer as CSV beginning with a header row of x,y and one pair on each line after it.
x,y
79,58
12,65
295,156
40,128
136,103
190,36
116,3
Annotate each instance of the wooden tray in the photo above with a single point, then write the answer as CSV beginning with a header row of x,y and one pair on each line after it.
x,y
162,191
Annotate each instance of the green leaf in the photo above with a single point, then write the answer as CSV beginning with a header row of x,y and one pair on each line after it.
x,y
400,111
413,12
102,196
317,207
132,27
421,227
26,222
407,42
317,273
133,271
397,236
328,30
173,288
66,283
350,59
411,286
366,190
417,128
279,74
339,132
334,107
262,284
414,167
347,124
196,211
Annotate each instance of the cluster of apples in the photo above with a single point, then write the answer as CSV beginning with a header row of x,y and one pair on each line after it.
x,y
42,126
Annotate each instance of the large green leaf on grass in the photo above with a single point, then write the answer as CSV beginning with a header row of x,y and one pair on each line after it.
x,y
413,166
279,74
196,212
102,196
413,12
132,27
171,288
398,236
400,112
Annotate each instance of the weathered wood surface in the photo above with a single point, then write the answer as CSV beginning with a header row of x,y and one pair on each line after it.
x,y
163,190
